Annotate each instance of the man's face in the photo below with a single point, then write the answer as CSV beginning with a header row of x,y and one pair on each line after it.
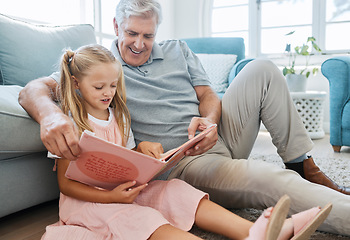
x,y
136,36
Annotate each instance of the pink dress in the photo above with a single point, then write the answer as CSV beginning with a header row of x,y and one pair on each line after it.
x,y
161,202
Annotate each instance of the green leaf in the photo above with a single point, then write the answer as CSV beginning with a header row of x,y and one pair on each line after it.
x,y
287,48
316,47
284,71
304,50
290,33
311,39
307,74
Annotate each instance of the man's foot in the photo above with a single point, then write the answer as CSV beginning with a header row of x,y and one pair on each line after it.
x,y
308,170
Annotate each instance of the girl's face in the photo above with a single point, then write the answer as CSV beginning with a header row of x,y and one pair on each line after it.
x,y
98,88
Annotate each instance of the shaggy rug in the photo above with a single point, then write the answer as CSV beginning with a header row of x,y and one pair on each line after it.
x,y
338,171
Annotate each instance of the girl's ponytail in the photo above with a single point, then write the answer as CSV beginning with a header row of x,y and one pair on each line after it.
x,y
71,101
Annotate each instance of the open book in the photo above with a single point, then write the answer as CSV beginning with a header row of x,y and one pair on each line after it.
x,y
106,165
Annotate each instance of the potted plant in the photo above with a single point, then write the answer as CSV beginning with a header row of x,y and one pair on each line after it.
x,y
297,80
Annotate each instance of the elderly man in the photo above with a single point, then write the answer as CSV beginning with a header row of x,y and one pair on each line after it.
x,y
169,98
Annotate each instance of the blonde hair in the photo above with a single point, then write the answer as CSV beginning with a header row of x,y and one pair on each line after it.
x,y
76,65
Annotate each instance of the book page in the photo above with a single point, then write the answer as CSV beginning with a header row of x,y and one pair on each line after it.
x,y
106,165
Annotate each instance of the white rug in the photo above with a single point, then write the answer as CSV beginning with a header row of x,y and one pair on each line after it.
x,y
336,168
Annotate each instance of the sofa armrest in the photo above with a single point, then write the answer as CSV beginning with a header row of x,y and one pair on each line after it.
x,y
237,68
20,134
337,71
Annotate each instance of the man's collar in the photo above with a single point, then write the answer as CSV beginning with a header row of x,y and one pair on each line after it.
x,y
115,51
157,53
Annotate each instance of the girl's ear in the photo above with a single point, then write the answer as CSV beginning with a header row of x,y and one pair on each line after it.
x,y
75,82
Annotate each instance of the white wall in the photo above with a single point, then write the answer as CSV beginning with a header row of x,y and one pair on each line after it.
x,y
184,19
166,28
181,19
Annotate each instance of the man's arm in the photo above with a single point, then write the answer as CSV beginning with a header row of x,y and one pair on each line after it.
x,y
210,110
209,103
57,131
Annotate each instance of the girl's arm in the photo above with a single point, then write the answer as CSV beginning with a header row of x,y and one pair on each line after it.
x,y
124,193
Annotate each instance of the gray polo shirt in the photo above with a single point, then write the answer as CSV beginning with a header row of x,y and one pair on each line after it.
x,y
160,93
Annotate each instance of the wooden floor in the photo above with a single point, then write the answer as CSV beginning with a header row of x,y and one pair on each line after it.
x,y
30,224
322,147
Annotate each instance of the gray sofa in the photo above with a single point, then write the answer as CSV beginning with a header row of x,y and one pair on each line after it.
x,y
28,52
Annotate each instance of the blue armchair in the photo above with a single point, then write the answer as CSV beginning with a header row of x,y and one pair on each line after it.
x,y
337,71
221,45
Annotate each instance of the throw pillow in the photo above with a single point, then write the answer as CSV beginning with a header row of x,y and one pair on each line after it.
x,y
218,67
29,51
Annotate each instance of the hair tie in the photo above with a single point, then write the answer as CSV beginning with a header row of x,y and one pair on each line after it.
x,y
69,56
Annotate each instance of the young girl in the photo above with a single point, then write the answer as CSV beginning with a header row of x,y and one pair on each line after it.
x,y
93,94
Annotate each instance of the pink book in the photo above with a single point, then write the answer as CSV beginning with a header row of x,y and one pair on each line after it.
x,y
106,165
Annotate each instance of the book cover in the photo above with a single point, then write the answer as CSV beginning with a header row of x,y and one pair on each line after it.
x,y
106,165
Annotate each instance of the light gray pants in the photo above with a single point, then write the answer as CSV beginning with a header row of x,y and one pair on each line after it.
x,y
259,93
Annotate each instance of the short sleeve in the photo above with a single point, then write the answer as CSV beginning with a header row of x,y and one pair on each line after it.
x,y
195,69
56,76
130,144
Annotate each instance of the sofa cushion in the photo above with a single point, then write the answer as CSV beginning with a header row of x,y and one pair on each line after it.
x,y
20,134
218,67
30,51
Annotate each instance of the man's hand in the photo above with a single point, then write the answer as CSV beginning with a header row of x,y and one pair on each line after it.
x,y
152,149
207,142
60,136
57,130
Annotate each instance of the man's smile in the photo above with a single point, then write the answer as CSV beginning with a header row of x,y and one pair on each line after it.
x,y
136,52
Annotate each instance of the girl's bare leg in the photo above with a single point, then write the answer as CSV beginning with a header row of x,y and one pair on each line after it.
x,y
287,230
171,233
214,218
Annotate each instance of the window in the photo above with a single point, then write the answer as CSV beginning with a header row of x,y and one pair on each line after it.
x,y
337,25
98,13
264,23
104,14
61,12
230,18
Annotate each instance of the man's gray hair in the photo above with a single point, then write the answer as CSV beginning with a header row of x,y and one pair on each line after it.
x,y
140,8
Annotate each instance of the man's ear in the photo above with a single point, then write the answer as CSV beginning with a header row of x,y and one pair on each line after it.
x,y
115,27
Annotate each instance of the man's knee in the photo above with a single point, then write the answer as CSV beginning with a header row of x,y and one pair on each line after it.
x,y
262,65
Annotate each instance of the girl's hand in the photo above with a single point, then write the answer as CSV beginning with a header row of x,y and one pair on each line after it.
x,y
152,149
125,193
